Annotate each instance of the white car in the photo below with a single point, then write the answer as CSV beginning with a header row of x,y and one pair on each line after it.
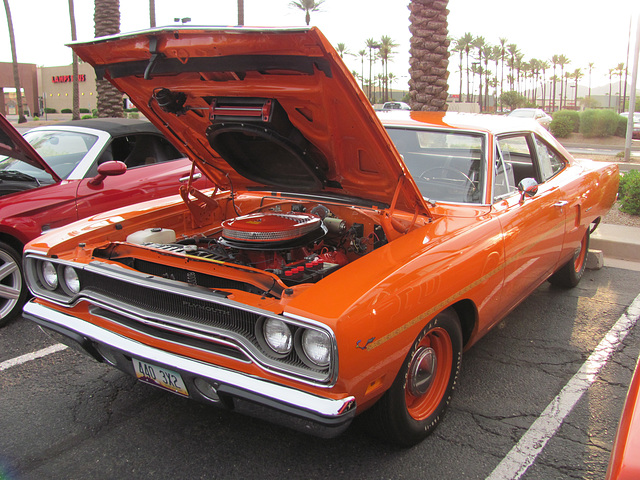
x,y
396,106
534,113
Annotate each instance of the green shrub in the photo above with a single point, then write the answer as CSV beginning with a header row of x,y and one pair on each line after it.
x,y
94,113
561,127
85,110
66,110
629,192
50,110
512,99
621,131
571,116
85,117
598,123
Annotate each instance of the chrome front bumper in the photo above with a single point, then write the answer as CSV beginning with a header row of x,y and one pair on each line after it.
x,y
313,414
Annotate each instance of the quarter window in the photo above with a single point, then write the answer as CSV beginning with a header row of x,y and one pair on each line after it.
x,y
550,161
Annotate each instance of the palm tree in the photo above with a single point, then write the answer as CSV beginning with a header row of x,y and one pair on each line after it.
x,y
554,61
612,72
503,51
513,51
486,51
479,43
465,43
341,48
391,78
429,55
544,66
458,48
371,45
16,74
619,70
386,52
362,53
107,22
577,75
307,6
75,86
562,61
591,65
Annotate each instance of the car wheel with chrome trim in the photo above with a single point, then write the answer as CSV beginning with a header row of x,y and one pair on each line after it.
x,y
417,400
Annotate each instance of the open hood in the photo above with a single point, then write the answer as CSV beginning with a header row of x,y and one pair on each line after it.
x,y
271,109
13,145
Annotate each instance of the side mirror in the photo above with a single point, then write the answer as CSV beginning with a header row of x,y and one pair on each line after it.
x,y
108,169
527,187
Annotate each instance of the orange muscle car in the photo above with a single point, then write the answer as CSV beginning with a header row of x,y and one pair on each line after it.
x,y
344,261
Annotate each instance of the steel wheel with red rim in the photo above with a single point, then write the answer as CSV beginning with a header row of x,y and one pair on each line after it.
x,y
428,373
570,273
421,392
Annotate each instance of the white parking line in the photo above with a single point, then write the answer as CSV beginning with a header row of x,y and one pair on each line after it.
x,y
525,452
31,356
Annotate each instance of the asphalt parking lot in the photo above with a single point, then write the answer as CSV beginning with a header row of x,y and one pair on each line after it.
x,y
65,416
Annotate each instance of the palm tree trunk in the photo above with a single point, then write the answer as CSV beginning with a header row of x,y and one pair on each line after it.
x,y
152,13
75,87
107,22
429,50
240,12
16,73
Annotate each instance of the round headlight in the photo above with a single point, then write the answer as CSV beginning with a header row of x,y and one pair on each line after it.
x,y
71,280
277,335
317,347
49,275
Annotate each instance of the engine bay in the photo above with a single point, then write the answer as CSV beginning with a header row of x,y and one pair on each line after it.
x,y
297,243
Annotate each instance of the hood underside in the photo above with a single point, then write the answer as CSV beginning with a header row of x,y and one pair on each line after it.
x,y
13,145
259,109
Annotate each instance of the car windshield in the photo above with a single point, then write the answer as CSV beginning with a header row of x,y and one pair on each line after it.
x,y
62,150
446,166
522,113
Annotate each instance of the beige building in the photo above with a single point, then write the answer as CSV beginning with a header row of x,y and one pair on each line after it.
x,y
55,86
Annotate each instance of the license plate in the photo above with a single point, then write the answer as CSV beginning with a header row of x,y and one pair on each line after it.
x,y
160,377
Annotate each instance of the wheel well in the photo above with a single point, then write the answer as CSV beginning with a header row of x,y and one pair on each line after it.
x,y
467,313
12,242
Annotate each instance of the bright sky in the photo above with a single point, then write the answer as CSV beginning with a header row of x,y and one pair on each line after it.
x,y
583,30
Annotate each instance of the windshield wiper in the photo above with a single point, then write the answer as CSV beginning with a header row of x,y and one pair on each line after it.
x,y
17,176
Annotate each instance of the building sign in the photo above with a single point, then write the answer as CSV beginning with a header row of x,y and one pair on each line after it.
x,y
68,78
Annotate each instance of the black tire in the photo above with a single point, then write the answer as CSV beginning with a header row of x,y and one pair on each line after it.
x,y
13,291
410,410
570,274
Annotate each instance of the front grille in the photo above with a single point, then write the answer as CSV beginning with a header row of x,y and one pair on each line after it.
x,y
175,305
163,307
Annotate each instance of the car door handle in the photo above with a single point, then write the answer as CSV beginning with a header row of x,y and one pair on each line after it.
x,y
195,177
560,204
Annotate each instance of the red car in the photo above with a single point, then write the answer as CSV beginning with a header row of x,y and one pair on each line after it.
x,y
72,170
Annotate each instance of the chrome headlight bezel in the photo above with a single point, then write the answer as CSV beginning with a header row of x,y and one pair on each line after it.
x,y
312,338
70,280
52,278
276,335
48,275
